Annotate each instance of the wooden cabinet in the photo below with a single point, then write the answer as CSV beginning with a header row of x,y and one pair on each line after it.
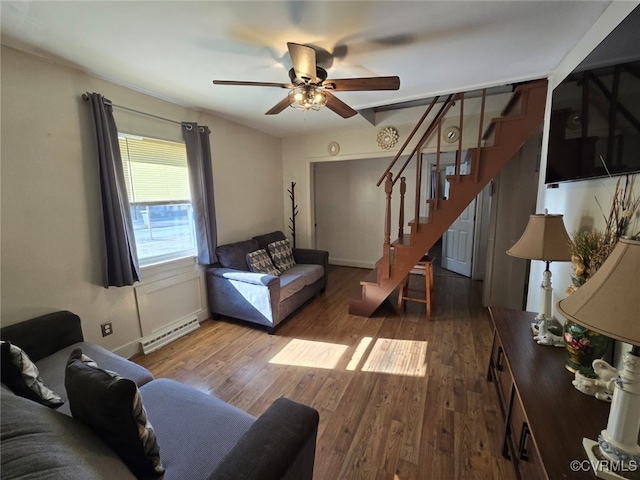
x,y
499,372
545,417
523,449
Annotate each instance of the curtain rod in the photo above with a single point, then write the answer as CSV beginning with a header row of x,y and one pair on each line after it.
x,y
86,99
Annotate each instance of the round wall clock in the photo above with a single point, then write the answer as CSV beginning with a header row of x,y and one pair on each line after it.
x,y
574,122
387,138
451,134
333,148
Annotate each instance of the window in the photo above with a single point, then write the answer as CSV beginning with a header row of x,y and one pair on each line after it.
x,y
157,181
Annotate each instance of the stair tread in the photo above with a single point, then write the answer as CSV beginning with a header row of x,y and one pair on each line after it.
x,y
371,278
403,241
421,221
355,294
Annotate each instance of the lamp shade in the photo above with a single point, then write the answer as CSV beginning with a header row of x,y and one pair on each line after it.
x,y
545,238
609,301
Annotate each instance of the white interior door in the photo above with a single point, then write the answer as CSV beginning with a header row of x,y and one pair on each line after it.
x,y
457,242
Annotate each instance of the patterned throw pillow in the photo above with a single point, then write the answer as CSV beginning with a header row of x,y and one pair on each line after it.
x,y
21,375
260,262
112,407
282,254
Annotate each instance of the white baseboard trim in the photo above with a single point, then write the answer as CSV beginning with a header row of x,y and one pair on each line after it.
x,y
129,350
133,347
203,315
351,263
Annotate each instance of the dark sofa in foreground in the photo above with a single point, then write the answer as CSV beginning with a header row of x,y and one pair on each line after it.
x,y
235,291
199,435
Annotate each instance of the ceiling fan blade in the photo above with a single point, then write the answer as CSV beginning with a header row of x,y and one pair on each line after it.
x,y
278,107
338,106
253,84
303,59
362,84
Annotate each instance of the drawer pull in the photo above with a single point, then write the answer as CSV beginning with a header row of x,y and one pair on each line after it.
x,y
524,436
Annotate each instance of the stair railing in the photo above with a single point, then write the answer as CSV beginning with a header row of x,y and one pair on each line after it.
x,y
389,179
409,138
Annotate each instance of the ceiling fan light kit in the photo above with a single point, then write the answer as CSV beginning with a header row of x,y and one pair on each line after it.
x,y
307,97
309,87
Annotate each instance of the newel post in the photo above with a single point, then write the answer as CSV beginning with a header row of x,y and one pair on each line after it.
x,y
403,190
386,248
388,188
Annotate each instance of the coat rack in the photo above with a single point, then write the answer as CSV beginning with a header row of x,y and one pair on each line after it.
x,y
294,212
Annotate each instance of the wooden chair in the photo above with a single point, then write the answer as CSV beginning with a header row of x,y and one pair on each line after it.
x,y
423,267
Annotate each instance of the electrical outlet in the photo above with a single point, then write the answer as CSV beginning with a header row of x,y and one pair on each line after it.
x,y
107,329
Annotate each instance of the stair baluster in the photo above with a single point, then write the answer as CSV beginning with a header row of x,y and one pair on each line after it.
x,y
459,151
475,165
403,191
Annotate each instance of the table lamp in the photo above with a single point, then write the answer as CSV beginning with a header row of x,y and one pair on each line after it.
x,y
609,303
546,239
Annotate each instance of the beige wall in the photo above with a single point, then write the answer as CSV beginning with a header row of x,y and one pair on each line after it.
x,y
50,200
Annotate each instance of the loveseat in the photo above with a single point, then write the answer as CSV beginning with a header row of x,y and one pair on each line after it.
x,y
262,298
199,435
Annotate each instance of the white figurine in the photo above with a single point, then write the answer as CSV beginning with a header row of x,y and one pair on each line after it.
x,y
601,387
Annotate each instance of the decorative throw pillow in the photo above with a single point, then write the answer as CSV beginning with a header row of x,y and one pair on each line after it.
x,y
282,254
260,262
21,375
112,407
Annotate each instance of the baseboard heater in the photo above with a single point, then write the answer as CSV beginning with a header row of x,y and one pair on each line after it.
x,y
169,334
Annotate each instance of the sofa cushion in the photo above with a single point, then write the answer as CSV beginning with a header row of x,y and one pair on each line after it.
x,y
46,334
260,262
234,255
282,254
21,375
38,442
52,368
190,425
267,238
310,271
112,407
290,283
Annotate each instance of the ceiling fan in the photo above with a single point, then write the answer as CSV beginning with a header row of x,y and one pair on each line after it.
x,y
311,90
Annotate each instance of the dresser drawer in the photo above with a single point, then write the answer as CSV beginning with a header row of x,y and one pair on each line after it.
x,y
523,449
500,374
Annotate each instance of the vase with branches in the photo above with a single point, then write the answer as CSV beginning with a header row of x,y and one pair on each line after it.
x,y
589,249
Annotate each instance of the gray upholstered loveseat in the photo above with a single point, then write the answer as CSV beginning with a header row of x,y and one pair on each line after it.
x,y
199,435
236,292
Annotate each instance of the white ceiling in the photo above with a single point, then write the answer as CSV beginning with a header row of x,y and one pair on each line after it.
x,y
174,49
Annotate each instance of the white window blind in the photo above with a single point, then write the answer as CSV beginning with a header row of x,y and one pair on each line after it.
x,y
157,183
155,170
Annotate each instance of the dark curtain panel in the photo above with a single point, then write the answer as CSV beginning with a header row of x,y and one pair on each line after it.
x,y
120,259
201,181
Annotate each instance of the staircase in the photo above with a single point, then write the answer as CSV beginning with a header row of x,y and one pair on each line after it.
x,y
520,119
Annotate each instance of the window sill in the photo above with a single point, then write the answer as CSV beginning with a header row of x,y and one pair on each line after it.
x,y
173,266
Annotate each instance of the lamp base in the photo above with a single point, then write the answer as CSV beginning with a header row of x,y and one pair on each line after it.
x,y
605,468
547,338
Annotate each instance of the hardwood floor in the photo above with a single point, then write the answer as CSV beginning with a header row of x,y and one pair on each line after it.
x,y
399,398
